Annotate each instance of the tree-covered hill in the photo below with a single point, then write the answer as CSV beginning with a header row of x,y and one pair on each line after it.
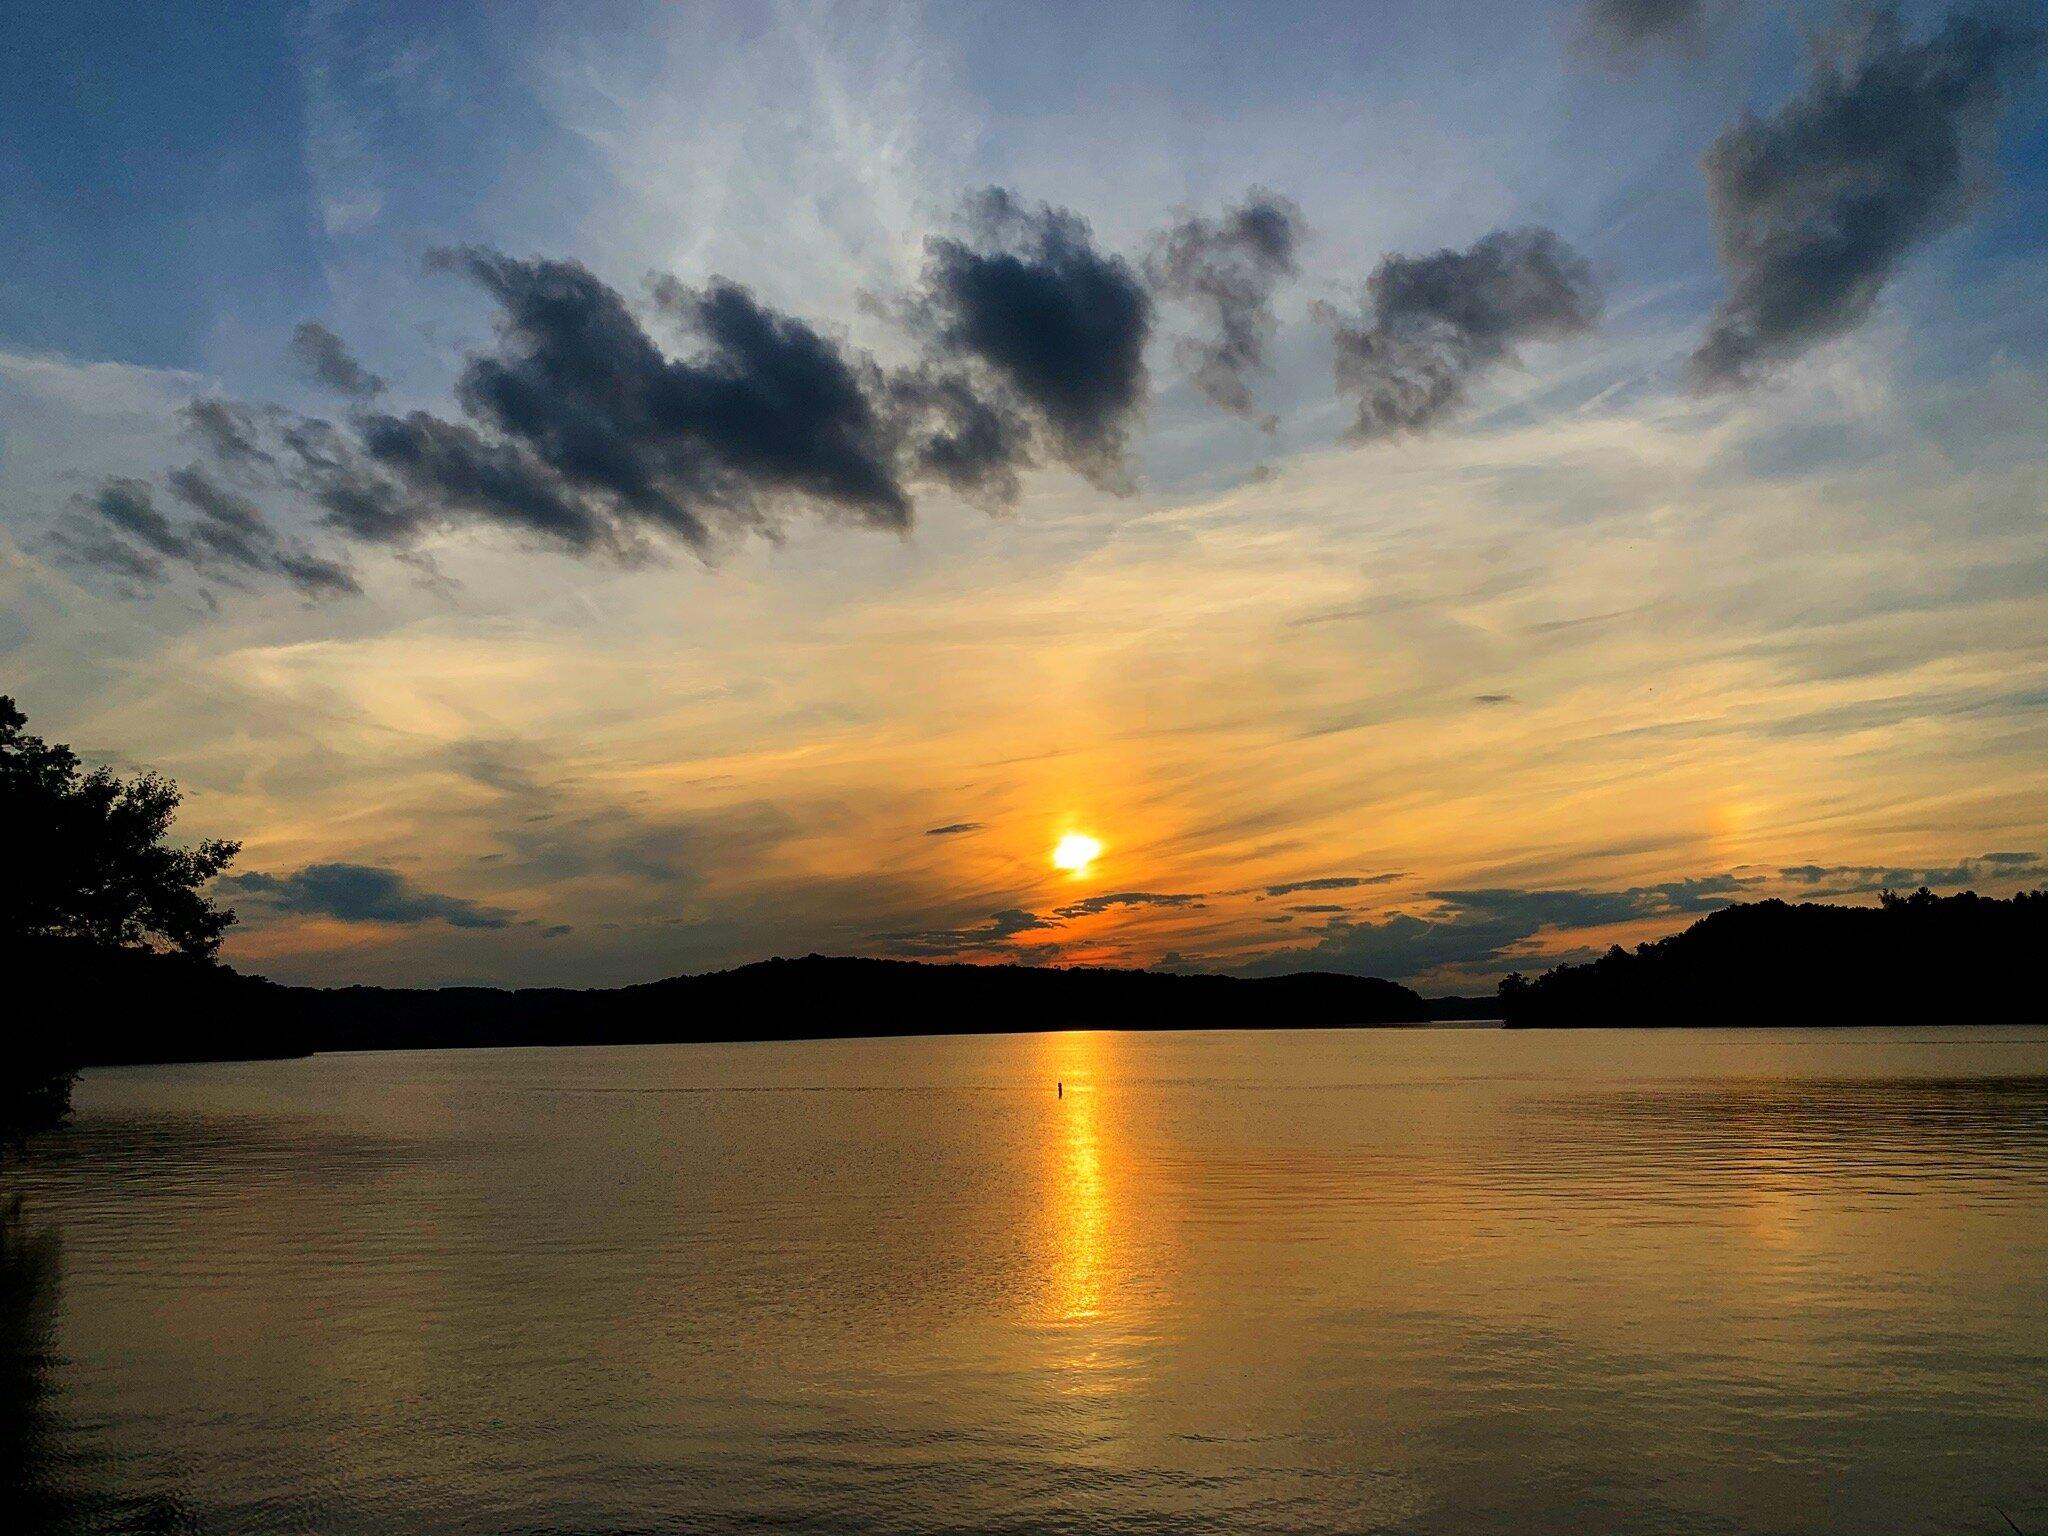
x,y
1918,959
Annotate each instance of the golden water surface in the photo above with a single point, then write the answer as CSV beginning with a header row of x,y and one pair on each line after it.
x,y
1432,1280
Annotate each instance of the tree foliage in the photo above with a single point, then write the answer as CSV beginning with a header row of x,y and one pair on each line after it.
x,y
90,890
87,855
35,1095
1912,959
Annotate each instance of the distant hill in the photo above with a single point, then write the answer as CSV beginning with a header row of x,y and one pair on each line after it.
x,y
1919,959
89,1005
109,1009
822,996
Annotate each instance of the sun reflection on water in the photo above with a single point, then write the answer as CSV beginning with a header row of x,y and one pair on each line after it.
x,y
1080,1203
1084,1217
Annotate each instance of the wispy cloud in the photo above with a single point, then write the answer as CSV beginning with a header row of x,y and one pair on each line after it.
x,y
327,361
1628,31
947,943
1226,269
359,893
1088,906
1330,883
227,535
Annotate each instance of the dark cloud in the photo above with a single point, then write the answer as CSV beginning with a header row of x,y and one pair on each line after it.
x,y
1089,906
326,360
231,531
326,465
1485,929
1058,325
1330,883
93,549
1704,893
1990,871
1227,270
360,893
1538,909
312,574
1815,207
1433,323
954,828
230,431
780,408
577,429
231,517
770,410
130,506
1400,946
446,472
967,440
1493,698
389,480
1001,927
1008,924
227,536
1625,31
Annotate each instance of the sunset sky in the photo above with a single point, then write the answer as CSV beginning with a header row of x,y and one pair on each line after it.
x,y
592,493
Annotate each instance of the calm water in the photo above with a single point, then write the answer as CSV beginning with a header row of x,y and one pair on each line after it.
x,y
1450,1280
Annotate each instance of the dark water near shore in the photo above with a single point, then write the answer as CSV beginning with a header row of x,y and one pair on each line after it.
x,y
1447,1280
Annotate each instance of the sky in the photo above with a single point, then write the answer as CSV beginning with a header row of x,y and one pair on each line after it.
x,y
587,493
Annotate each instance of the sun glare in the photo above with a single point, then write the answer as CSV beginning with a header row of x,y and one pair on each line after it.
x,y
1075,852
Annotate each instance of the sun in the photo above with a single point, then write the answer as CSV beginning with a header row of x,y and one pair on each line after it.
x,y
1075,852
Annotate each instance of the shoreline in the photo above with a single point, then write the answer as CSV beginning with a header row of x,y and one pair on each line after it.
x,y
1409,1026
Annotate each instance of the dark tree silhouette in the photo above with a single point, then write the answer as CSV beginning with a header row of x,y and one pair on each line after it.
x,y
1918,959
87,855
35,1091
91,892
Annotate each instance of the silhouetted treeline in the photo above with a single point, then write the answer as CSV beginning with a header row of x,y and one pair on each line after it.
x,y
819,996
86,1006
1919,959
133,1007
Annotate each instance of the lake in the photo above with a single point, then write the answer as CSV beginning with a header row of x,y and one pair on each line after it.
x,y
1446,1280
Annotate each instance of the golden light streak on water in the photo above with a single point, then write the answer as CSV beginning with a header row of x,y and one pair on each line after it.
x,y
1081,1200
